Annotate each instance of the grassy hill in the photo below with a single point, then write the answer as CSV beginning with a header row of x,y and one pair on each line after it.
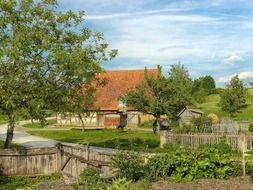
x,y
211,106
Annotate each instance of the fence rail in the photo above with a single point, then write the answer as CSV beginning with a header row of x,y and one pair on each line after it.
x,y
237,142
67,158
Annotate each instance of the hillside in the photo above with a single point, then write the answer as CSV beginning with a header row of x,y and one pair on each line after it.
x,y
211,106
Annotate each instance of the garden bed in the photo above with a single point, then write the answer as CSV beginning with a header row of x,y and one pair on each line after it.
x,y
236,183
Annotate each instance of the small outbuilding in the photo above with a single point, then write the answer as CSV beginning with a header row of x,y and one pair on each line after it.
x,y
185,115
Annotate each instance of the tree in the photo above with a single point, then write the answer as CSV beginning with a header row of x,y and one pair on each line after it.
x,y
202,87
45,57
158,95
233,98
180,81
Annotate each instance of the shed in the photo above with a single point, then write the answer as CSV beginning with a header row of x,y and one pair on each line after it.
x,y
185,115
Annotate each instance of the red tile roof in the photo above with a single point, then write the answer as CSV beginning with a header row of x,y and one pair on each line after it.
x,y
119,82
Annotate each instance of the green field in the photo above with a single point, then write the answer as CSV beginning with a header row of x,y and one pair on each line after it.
x,y
135,140
38,125
211,106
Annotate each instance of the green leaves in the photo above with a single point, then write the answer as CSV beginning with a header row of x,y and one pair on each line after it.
x,y
233,99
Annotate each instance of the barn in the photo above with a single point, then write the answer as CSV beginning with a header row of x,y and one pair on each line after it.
x,y
107,104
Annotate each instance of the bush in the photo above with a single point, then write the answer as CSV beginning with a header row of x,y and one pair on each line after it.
x,y
90,179
129,165
159,166
251,127
124,184
202,123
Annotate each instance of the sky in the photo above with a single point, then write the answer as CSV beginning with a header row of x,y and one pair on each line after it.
x,y
210,37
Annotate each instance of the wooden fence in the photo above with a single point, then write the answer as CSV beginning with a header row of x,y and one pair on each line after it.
x,y
69,159
237,142
36,161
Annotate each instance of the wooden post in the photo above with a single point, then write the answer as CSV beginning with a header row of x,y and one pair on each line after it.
x,y
163,138
58,157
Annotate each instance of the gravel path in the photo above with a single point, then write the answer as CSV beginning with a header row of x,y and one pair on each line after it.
x,y
25,139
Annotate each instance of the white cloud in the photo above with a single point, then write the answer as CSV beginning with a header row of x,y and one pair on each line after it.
x,y
232,60
242,75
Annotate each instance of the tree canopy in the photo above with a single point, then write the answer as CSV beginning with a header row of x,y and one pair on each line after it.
x,y
233,98
158,95
45,56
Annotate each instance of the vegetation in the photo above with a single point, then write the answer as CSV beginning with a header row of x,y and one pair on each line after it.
x,y
17,182
203,124
128,140
39,125
181,164
158,95
202,87
211,105
13,146
233,99
46,57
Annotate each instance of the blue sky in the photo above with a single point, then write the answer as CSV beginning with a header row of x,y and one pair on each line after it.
x,y
210,37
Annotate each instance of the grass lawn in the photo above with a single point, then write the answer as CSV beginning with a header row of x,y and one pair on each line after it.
x,y
211,106
38,125
135,140
3,119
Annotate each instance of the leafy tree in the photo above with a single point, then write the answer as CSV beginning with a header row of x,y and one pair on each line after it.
x,y
158,95
233,98
180,81
202,87
45,56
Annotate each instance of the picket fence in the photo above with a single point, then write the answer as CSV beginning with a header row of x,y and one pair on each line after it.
x,y
237,142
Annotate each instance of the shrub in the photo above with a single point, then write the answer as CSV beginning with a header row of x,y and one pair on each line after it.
x,y
90,179
202,123
251,127
159,165
129,165
124,184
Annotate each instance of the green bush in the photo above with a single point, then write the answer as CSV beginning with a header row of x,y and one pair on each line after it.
x,y
251,127
124,184
90,179
129,165
159,166
203,124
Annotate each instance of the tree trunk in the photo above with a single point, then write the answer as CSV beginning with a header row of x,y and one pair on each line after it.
x,y
81,119
156,125
10,131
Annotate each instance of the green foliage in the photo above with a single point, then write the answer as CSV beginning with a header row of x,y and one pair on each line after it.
x,y
185,129
91,179
39,125
46,56
147,124
129,165
159,166
251,127
17,182
203,124
124,184
158,95
181,164
233,99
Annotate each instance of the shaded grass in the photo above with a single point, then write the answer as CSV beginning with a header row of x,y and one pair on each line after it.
x,y
128,140
211,106
13,146
38,125
14,182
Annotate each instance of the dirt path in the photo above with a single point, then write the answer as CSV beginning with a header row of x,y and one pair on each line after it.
x,y
25,139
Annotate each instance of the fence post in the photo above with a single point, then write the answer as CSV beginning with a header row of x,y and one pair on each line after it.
x,y
163,138
58,157
242,144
